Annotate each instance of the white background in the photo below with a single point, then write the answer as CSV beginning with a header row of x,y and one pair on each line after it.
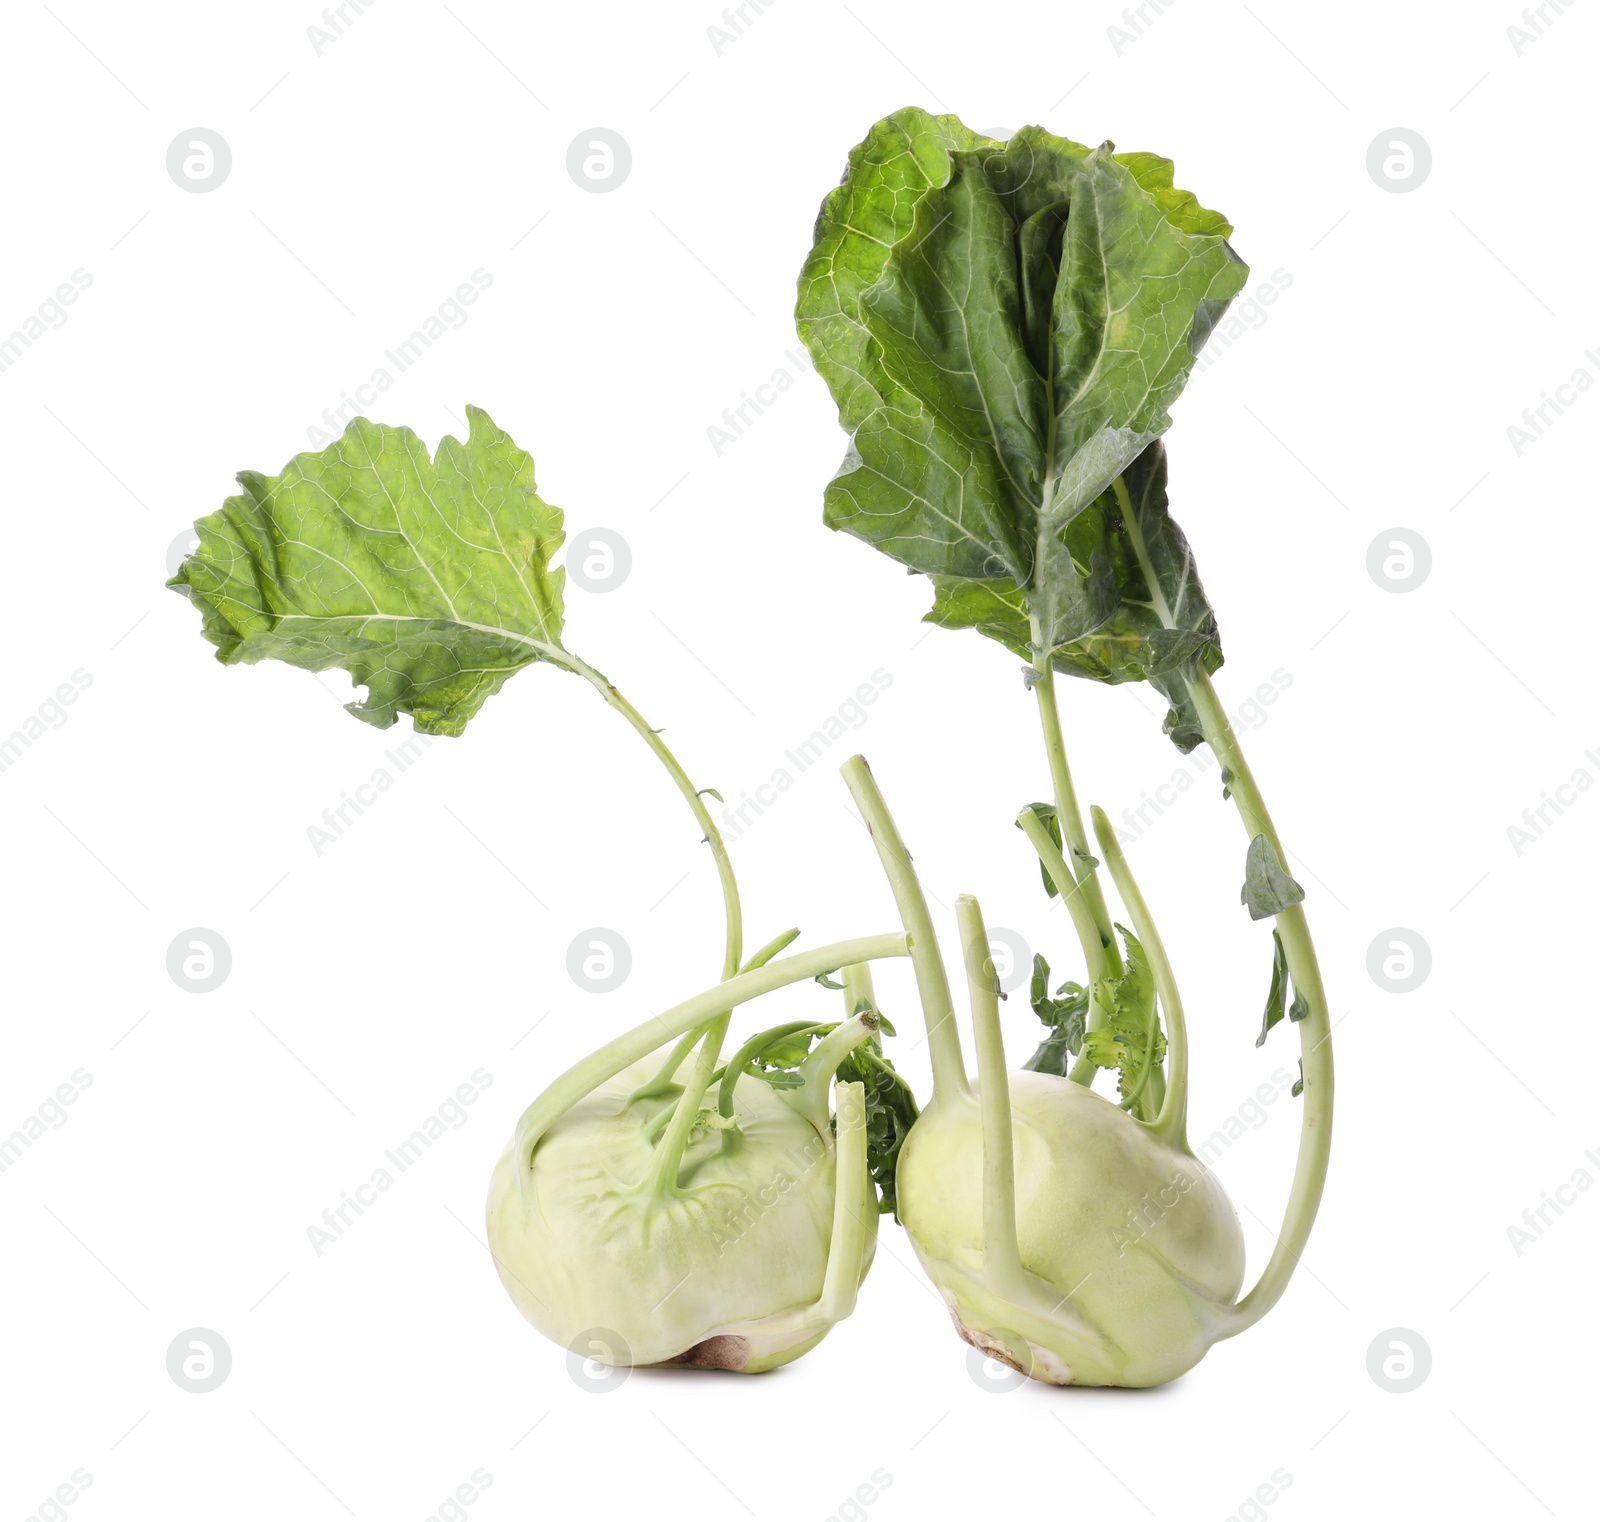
x,y
370,180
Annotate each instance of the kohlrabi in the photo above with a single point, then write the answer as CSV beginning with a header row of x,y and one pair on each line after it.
x,y
1003,326
657,1204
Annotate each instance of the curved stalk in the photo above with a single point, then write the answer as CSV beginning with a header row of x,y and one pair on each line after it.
x,y
741,1060
582,1078
1170,1119
933,987
733,918
1002,1260
817,1071
1311,1166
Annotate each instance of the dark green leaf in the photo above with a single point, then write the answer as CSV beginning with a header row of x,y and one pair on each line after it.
x,y
1278,991
891,1112
710,792
1065,1017
827,982
1268,888
1299,1083
1003,328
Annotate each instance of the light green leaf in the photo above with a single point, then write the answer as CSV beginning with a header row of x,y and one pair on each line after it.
x,y
428,580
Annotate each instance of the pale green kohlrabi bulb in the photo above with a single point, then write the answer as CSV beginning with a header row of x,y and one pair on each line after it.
x,y
1126,1246
1079,1243
633,1227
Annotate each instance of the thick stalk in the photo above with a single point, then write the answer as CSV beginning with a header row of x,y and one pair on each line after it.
x,y
1169,1121
853,1205
817,1071
933,987
1002,1261
669,1155
1316,1132
741,1060
858,989
582,1078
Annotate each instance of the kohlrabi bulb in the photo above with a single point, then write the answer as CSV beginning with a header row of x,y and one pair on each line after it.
x,y
642,1216
1127,1245
726,1270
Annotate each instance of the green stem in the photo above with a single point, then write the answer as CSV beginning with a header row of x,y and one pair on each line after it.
x,y
858,989
666,1076
823,1062
752,1048
1169,1121
669,1155
1311,1166
719,851
1002,1260
933,987
770,950
582,1078
853,1204
1083,1070
1066,799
